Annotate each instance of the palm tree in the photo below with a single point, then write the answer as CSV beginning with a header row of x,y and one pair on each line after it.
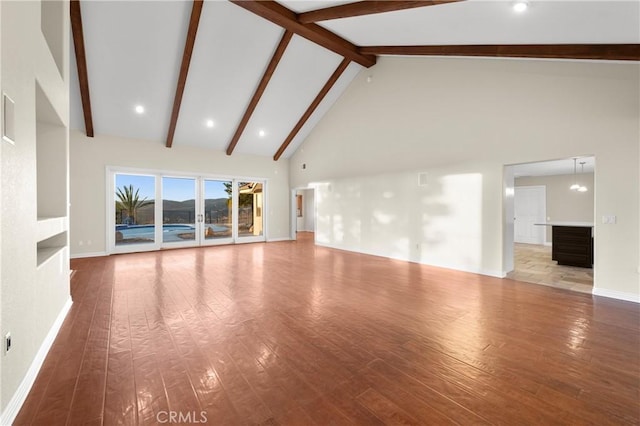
x,y
130,201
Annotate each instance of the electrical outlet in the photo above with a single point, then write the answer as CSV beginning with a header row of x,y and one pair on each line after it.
x,y
7,343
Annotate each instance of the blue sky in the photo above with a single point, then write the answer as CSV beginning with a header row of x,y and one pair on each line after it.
x,y
175,189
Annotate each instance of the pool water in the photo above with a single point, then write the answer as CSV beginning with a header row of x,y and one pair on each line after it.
x,y
170,232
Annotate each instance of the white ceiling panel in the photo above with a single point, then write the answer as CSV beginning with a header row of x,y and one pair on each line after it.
x,y
338,89
495,22
134,50
227,64
300,6
304,68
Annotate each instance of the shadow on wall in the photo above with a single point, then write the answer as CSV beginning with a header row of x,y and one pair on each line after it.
x,y
438,222
452,223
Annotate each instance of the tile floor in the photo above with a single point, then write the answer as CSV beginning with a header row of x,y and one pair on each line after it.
x,y
533,264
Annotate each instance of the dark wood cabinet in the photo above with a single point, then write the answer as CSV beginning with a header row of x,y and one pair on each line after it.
x,y
572,246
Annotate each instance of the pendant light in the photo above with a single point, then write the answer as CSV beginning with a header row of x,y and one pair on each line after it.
x,y
575,185
582,188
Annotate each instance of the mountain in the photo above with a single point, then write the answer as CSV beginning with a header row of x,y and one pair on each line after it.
x,y
184,211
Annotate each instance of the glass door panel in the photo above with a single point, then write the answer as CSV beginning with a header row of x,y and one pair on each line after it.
x,y
179,210
218,208
152,211
134,209
250,206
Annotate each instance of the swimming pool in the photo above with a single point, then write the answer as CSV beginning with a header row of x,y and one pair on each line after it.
x,y
170,232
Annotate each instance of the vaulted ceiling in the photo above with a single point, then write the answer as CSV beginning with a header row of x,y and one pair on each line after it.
x,y
255,77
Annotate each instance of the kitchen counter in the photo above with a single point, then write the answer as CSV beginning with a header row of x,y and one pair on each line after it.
x,y
572,243
579,224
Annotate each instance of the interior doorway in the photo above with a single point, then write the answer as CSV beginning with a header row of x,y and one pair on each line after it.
x,y
528,247
303,218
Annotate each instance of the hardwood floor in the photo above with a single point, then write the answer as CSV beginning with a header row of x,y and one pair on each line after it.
x,y
292,334
532,263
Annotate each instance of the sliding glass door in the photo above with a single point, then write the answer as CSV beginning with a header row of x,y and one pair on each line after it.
x,y
134,207
178,211
218,211
250,224
192,211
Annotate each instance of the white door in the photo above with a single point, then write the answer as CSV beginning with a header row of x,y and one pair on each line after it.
x,y
529,208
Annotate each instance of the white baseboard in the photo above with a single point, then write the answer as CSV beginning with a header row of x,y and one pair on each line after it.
x,y
547,243
472,270
273,240
83,255
14,405
614,294
462,268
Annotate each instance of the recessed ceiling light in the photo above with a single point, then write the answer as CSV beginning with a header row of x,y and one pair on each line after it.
x,y
261,133
210,123
139,109
520,6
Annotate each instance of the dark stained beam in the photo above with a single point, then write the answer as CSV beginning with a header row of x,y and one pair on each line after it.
x,y
81,62
275,59
323,92
287,19
610,52
196,11
361,8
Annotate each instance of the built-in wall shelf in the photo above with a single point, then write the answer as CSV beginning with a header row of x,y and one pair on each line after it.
x,y
49,247
50,226
52,170
46,253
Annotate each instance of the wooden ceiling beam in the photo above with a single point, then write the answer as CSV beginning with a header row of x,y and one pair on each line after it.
x,y
81,63
287,19
275,59
196,11
609,52
323,92
362,8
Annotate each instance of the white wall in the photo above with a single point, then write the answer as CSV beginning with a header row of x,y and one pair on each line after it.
x,y
564,204
508,222
461,121
309,210
89,158
32,304
1,197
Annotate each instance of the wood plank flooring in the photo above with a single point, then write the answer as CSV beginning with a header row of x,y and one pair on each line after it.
x,y
532,263
288,333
